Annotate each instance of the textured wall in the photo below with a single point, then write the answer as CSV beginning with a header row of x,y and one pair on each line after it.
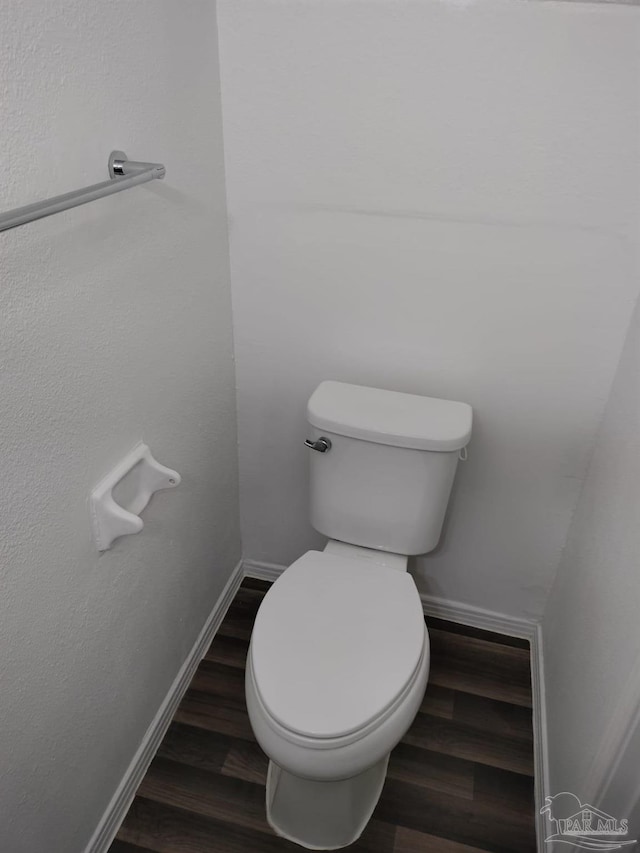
x,y
437,198
114,326
591,626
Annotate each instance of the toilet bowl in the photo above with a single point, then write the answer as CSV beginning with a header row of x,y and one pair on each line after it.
x,y
329,706
339,655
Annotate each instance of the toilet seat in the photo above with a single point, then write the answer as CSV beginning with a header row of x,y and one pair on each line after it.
x,y
332,743
336,645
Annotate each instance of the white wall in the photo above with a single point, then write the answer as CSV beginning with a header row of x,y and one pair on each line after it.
x,y
437,198
591,626
114,326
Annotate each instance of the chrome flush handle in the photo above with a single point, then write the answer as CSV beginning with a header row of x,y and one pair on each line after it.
x,y
321,444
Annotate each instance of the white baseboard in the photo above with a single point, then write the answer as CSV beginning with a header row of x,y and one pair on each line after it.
x,y
123,797
477,617
262,571
540,737
488,620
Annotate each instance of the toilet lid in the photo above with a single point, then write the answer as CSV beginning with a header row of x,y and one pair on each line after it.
x,y
335,642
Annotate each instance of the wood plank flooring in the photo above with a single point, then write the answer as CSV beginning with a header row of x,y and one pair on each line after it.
x,y
461,781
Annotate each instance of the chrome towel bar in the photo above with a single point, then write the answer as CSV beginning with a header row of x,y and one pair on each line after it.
x,y
124,174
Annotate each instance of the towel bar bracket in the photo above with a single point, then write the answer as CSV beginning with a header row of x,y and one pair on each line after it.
x,y
120,166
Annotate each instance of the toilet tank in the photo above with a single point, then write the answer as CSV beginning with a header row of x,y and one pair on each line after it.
x,y
386,479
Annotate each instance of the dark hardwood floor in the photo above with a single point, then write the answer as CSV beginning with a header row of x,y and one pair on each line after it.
x,y
461,781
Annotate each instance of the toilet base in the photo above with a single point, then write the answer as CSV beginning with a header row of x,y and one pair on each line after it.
x,y
323,815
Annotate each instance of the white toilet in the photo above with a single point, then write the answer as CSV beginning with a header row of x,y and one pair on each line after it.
x,y
339,655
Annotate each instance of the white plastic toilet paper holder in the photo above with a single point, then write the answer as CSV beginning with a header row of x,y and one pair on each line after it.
x,y
110,520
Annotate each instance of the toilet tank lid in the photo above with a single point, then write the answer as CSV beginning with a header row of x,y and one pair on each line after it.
x,y
390,417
